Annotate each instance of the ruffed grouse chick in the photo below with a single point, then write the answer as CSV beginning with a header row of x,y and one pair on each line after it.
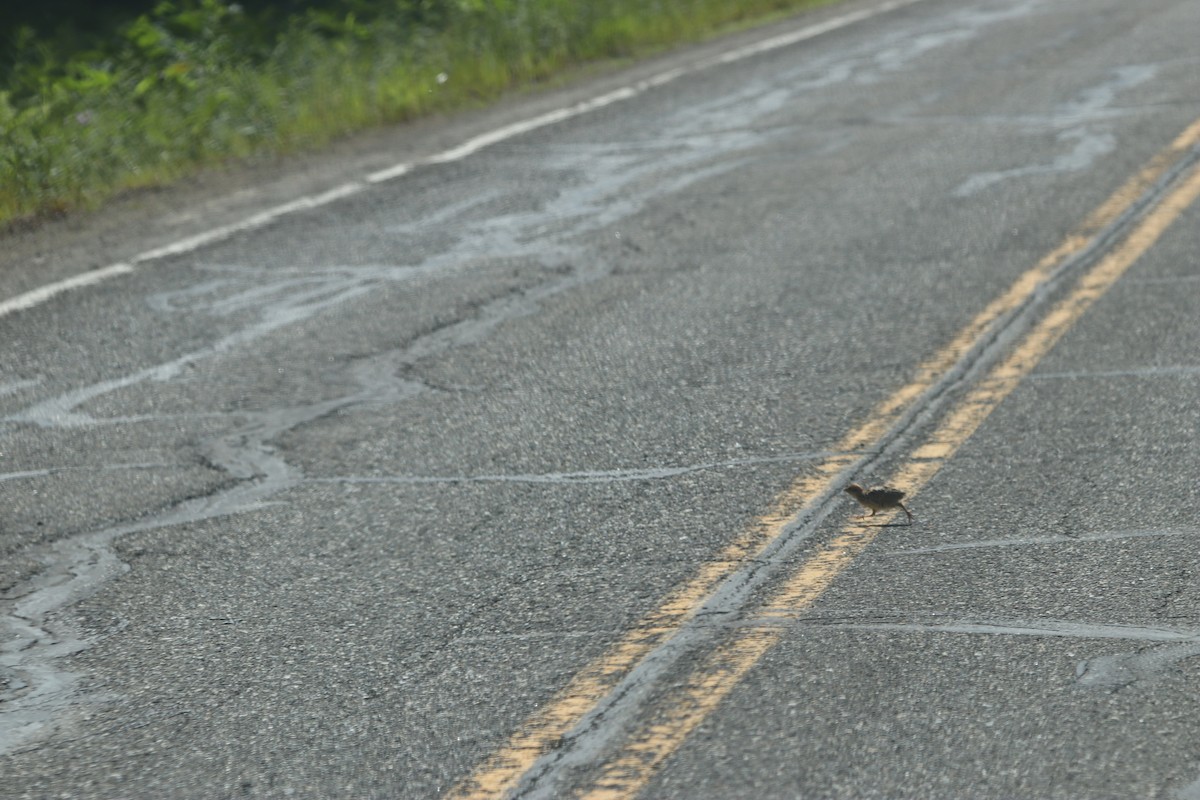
x,y
878,498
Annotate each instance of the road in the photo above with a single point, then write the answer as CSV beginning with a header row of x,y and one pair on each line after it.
x,y
508,460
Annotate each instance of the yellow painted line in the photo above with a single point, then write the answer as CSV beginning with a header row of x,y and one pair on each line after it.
x,y
500,772
624,775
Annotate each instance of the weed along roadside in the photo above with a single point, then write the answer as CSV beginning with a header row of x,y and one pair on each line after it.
x,y
137,102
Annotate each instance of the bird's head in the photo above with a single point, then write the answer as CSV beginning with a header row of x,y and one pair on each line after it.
x,y
854,490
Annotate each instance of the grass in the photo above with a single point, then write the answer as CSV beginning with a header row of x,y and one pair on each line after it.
x,y
191,86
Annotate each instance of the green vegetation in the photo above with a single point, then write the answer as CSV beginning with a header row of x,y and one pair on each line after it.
x,y
205,81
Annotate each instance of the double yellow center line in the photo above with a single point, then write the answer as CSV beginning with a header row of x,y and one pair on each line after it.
x,y
624,775
627,771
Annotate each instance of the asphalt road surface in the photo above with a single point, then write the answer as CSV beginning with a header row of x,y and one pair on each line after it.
x,y
517,469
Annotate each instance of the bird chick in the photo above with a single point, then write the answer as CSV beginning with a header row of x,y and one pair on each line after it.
x,y
878,498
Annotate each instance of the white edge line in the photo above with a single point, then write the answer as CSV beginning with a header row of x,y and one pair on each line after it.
x,y
254,221
41,295
473,145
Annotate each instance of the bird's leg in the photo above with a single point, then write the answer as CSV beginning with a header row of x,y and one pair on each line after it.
x,y
906,512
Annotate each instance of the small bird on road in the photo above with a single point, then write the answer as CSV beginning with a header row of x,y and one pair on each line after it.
x,y
878,498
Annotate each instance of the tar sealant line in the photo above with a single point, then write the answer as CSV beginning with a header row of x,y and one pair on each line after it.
x,y
46,472
1047,628
587,476
473,145
1159,649
1143,372
1089,141
1108,536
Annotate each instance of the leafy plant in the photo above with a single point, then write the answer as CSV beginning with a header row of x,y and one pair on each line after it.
x,y
201,81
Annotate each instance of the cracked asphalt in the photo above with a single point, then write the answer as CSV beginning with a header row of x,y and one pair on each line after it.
x,y
329,508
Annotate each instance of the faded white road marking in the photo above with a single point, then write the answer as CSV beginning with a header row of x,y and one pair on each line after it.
x,y
583,476
44,293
